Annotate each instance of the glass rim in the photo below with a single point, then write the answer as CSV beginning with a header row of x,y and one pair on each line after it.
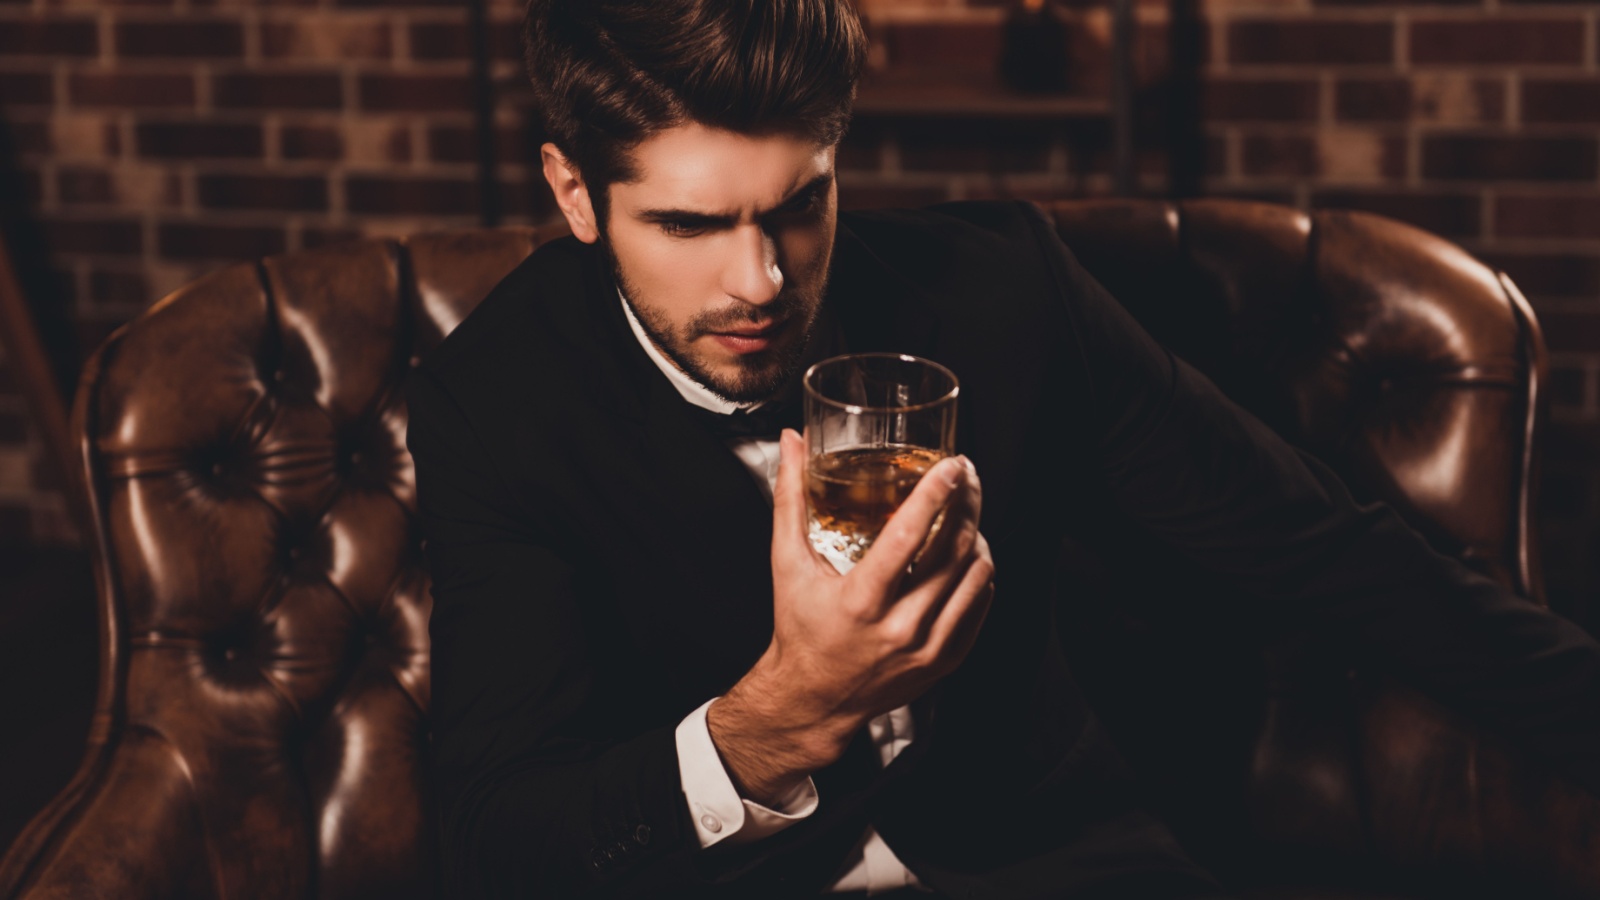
x,y
856,409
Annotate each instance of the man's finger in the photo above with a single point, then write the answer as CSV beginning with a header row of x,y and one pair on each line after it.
x,y
955,537
886,561
956,628
789,499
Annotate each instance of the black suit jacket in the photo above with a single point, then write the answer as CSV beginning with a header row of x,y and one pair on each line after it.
x,y
600,568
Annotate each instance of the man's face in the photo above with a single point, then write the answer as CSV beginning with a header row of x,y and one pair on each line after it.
x,y
721,246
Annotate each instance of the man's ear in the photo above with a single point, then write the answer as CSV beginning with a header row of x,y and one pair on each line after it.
x,y
572,195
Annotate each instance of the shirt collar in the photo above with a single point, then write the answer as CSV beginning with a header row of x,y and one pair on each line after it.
x,y
692,390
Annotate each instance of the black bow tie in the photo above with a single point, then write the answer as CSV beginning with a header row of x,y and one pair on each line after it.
x,y
764,422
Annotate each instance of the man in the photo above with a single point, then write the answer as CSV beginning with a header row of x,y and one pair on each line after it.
x,y
645,682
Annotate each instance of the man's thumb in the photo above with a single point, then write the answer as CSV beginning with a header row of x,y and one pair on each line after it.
x,y
788,493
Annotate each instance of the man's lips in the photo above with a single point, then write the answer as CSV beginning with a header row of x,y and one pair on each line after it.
x,y
752,339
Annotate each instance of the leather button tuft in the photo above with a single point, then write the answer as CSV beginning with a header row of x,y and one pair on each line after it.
x,y
642,834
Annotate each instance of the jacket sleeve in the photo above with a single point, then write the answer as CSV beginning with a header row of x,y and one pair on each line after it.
x,y
1203,475
531,803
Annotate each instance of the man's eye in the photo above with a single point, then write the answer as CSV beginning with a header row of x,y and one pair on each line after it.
x,y
804,204
681,229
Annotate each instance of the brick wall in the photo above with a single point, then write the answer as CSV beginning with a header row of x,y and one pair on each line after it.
x,y
148,142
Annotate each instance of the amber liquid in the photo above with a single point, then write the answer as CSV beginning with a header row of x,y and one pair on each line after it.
x,y
852,493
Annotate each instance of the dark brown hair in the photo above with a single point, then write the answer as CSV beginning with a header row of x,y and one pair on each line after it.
x,y
608,74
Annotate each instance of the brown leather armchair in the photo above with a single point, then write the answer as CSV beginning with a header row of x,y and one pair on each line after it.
x,y
262,727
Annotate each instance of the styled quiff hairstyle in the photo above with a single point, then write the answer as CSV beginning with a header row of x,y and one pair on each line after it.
x,y
609,74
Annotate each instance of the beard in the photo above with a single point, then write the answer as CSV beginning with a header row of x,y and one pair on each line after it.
x,y
755,376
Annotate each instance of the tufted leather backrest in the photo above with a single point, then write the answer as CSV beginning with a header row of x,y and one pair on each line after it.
x,y
262,726
1410,367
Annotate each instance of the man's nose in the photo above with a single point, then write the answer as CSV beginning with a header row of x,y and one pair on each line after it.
x,y
753,274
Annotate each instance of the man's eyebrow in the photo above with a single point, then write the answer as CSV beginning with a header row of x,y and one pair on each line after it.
x,y
813,187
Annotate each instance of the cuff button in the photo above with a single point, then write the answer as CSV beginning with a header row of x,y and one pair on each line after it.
x,y
711,823
642,834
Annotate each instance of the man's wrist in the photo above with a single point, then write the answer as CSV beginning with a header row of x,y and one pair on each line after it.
x,y
765,746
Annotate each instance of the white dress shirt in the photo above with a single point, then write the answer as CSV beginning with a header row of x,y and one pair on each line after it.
x,y
719,813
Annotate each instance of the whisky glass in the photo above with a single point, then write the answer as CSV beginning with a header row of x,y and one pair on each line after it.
x,y
875,422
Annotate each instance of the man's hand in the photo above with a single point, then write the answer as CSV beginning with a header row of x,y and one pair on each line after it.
x,y
846,648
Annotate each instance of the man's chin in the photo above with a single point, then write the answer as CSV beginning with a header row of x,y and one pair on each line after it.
x,y
747,380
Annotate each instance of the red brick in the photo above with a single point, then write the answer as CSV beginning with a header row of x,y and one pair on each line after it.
x,y
49,37
1451,99
1569,331
1489,41
131,89
416,93
933,145
321,237
198,140
411,196
29,138
1276,196
1549,274
1278,155
862,147
883,196
186,39
310,142
1216,155
297,90
324,38
1335,4
14,428
78,185
1373,100
1561,100
449,40
448,143
1568,385
1279,42
1470,158
1450,215
196,240
94,236
398,4
1454,98
114,288
942,45
30,187
1547,216
1236,100
26,88
263,192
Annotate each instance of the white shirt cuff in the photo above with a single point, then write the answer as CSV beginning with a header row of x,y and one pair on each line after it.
x,y
719,813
